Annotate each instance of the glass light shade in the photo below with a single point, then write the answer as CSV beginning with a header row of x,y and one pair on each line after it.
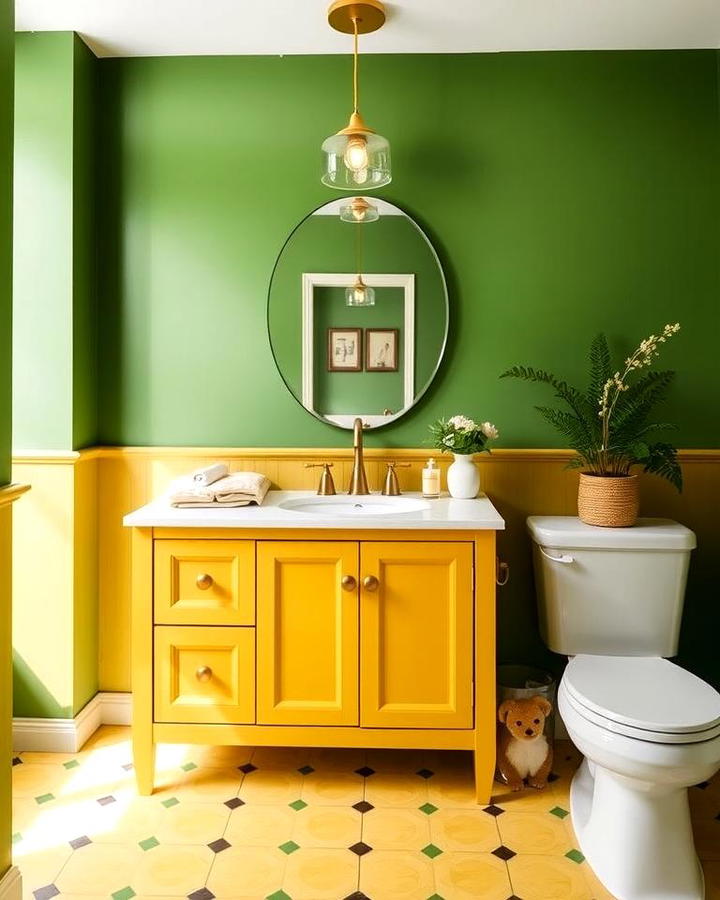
x,y
359,212
359,294
356,160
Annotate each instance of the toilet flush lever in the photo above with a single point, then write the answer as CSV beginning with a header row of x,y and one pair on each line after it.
x,y
563,558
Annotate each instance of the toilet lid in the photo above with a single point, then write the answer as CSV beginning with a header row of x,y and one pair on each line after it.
x,y
645,693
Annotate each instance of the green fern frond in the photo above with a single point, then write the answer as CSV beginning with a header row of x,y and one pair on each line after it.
x,y
600,368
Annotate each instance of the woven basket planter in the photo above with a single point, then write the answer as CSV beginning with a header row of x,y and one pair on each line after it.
x,y
611,502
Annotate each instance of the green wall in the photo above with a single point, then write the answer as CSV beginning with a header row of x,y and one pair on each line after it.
x,y
54,404
565,193
6,241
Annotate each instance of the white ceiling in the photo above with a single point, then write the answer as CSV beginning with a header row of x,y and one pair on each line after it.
x,y
218,27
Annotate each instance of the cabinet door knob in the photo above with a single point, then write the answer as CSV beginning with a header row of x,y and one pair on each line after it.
x,y
348,583
370,583
204,581
204,673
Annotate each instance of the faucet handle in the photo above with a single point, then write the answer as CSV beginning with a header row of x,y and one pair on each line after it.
x,y
391,487
326,487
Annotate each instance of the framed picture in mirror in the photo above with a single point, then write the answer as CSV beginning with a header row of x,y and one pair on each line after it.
x,y
344,349
381,349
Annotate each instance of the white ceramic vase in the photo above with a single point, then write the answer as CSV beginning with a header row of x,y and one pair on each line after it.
x,y
463,477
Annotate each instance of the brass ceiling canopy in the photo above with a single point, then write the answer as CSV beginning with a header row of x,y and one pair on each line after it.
x,y
369,14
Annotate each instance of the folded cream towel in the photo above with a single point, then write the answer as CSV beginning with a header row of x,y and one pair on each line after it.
x,y
236,489
210,474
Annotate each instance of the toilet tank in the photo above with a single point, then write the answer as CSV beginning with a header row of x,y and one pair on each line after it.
x,y
610,591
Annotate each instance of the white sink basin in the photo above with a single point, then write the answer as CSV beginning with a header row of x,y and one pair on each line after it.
x,y
354,507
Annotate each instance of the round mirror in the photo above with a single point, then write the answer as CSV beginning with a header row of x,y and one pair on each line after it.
x,y
358,312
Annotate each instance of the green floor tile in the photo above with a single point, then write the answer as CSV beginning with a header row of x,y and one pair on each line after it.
x,y
559,812
16,838
71,764
289,847
278,895
297,805
431,850
188,766
149,843
575,856
45,798
126,893
428,809
171,801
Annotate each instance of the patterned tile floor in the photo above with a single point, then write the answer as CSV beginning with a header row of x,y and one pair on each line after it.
x,y
302,825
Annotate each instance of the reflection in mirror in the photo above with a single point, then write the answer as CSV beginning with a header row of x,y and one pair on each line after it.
x,y
358,312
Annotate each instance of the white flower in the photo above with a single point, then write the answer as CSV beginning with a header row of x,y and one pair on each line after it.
x,y
462,423
449,440
490,431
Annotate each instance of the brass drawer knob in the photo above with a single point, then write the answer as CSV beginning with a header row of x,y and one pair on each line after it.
x,y
204,673
370,583
348,583
204,581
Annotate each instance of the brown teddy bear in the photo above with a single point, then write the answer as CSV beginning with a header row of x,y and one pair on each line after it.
x,y
523,749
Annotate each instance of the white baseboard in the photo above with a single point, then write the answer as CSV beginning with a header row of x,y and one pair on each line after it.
x,y
11,884
68,735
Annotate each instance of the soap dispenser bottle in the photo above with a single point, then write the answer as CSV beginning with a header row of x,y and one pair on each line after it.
x,y
431,480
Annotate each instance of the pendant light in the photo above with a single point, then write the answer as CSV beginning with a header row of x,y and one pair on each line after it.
x,y
359,212
356,157
359,294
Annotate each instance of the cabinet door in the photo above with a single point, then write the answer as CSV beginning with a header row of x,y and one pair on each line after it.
x,y
307,633
416,614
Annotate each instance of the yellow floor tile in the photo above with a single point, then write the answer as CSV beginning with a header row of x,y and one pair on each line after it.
x,y
396,789
324,759
537,877
99,868
42,867
190,823
36,780
332,788
396,829
260,826
396,875
172,870
395,760
464,829
313,874
448,761
534,832
453,789
220,757
209,785
271,786
281,757
327,826
472,876
247,872
528,799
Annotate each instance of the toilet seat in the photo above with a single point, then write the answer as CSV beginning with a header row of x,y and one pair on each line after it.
x,y
647,698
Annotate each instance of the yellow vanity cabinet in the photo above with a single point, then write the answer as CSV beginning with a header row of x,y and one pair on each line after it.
x,y
378,638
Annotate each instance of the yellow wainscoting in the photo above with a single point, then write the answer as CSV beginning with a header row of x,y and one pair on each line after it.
x,y
520,482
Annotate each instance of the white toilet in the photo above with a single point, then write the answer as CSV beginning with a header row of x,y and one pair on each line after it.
x,y
612,599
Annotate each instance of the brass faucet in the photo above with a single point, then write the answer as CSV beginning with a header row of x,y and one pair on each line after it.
x,y
358,481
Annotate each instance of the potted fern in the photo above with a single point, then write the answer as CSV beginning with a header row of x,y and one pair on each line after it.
x,y
608,427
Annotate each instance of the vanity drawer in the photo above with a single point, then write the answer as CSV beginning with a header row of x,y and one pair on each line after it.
x,y
204,674
204,582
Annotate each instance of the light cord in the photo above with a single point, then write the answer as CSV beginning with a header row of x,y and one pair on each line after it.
x,y
355,64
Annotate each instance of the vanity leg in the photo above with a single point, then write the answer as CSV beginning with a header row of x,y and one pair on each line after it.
x,y
484,762
142,655
144,764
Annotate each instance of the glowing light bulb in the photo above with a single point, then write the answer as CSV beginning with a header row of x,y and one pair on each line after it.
x,y
360,294
356,156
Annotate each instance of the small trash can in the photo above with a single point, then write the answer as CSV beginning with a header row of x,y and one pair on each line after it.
x,y
522,683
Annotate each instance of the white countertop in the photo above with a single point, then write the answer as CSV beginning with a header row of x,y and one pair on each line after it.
x,y
443,513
